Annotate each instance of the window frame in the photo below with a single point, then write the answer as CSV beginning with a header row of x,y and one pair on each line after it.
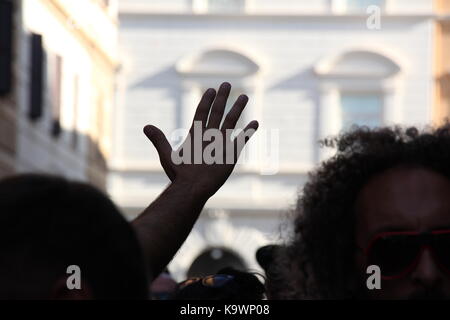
x,y
378,93
203,7
342,7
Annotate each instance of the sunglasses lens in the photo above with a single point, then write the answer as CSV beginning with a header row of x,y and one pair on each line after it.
x,y
393,254
441,247
217,280
188,282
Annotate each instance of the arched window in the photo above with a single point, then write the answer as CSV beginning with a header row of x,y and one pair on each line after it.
x,y
358,87
218,6
226,5
209,68
218,62
356,6
362,5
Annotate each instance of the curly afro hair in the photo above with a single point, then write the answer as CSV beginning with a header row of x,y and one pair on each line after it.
x,y
318,260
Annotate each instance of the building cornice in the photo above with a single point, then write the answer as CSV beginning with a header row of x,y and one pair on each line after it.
x,y
142,12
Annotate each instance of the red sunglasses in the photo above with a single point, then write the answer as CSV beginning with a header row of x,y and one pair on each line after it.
x,y
398,253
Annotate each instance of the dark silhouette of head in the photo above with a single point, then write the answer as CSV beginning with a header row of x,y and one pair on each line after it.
x,y
48,224
227,284
266,257
383,179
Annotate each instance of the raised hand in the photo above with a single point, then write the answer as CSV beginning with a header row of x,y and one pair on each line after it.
x,y
207,157
197,169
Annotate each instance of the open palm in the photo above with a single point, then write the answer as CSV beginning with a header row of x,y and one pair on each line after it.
x,y
196,163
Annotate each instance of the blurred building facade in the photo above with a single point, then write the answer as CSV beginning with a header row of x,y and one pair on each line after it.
x,y
62,84
442,61
310,68
9,21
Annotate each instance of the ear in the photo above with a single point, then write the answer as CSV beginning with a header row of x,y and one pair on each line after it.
x,y
60,291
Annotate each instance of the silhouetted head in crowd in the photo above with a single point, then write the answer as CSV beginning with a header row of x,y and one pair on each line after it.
x,y
265,256
227,284
382,200
48,224
267,259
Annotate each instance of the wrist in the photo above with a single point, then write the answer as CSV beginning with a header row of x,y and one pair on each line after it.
x,y
192,189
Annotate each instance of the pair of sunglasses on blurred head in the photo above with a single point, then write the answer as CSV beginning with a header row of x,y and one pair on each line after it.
x,y
398,253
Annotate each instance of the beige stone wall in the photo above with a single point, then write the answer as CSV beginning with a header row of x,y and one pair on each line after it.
x,y
89,53
7,139
103,80
443,75
442,63
442,6
9,107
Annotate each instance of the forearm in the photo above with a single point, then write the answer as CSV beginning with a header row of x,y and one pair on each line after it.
x,y
165,224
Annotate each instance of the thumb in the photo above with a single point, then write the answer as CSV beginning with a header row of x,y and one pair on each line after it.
x,y
163,147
